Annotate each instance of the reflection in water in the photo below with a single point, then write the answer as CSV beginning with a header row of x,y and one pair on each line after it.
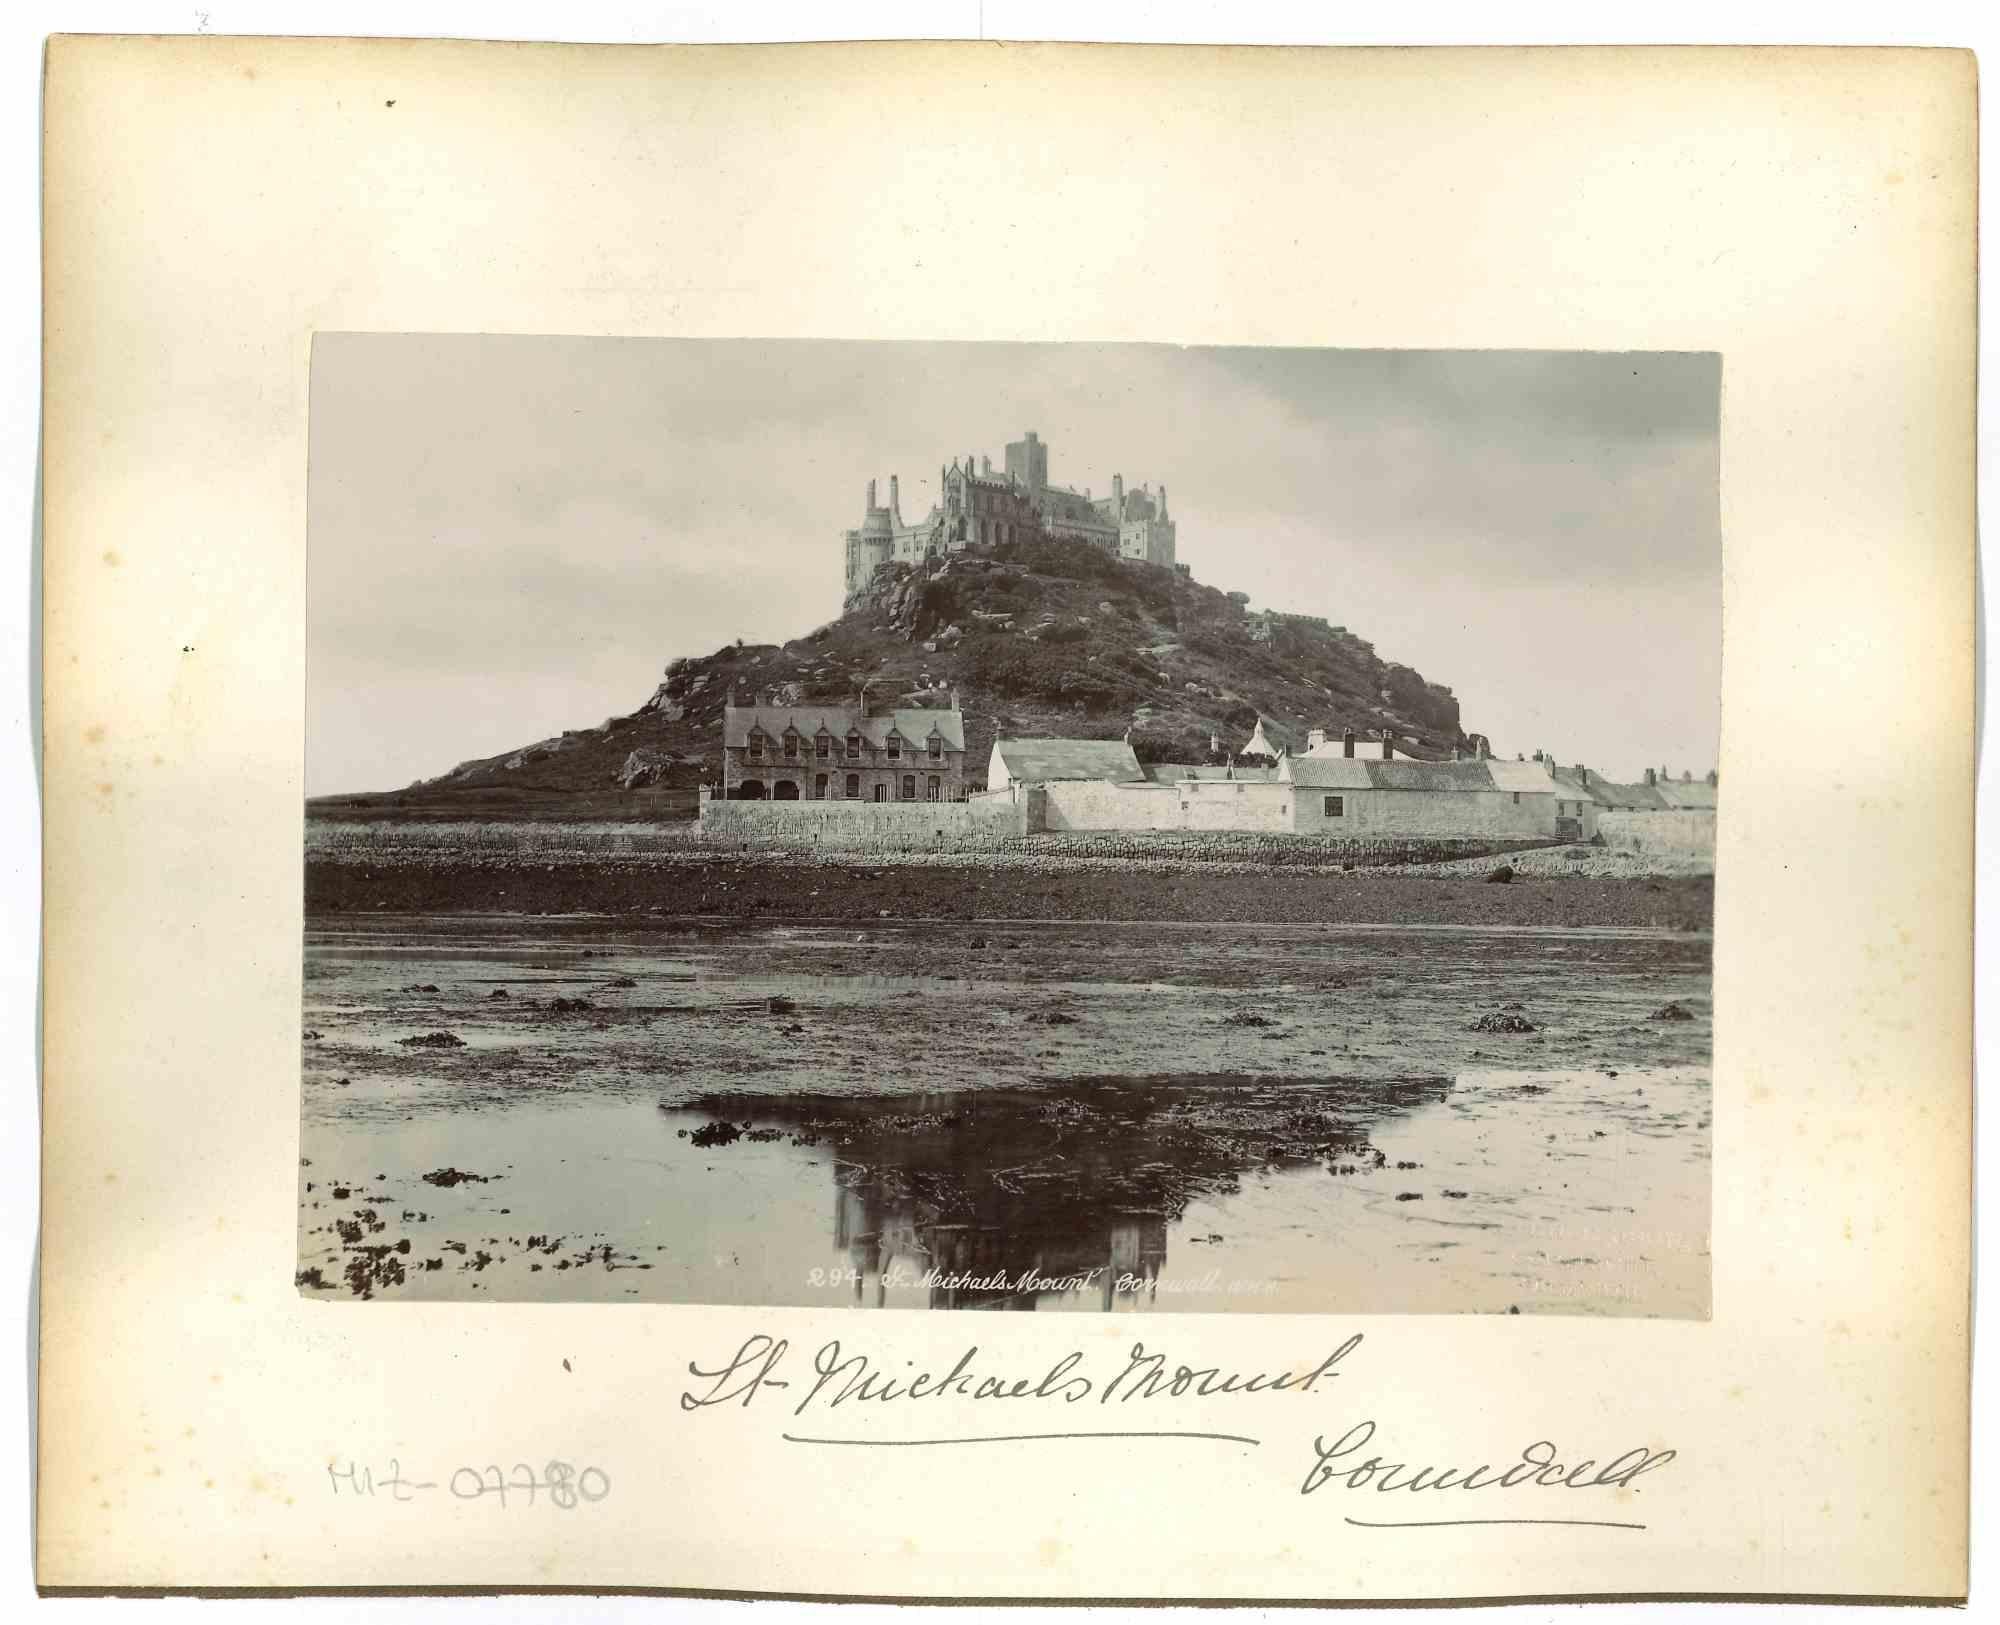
x,y
1004,1198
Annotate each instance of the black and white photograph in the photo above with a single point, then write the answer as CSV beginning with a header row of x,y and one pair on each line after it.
x,y
1057,826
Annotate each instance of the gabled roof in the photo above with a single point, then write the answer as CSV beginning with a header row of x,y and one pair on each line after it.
x,y
1175,772
1398,774
1402,773
1629,797
1033,760
1529,778
1326,772
1573,786
914,725
1695,794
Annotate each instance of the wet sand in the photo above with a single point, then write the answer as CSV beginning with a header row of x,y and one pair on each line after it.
x,y
1243,1118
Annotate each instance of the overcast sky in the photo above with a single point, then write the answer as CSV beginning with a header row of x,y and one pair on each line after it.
x,y
512,536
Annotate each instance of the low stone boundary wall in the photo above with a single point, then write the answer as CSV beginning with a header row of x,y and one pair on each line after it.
x,y
859,826
993,828
1684,833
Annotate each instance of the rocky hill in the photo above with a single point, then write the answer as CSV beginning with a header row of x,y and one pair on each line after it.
x,y
1048,638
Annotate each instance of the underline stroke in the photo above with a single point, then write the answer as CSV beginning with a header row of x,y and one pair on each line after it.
x,y
1452,1523
1020,1438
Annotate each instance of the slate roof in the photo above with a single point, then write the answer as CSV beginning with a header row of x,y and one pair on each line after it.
x,y
1573,787
1530,778
1327,772
1175,772
1399,773
1696,794
1629,797
1039,760
913,725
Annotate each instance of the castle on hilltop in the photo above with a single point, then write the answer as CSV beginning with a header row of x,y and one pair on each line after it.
x,y
978,507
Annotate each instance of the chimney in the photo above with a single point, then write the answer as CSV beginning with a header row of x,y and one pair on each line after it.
x,y
1711,778
1388,746
1315,738
1347,741
985,466
871,496
1652,778
1485,748
1454,753
954,696
1118,490
895,499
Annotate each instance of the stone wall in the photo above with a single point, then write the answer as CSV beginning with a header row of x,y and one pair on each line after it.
x,y
1233,804
1088,804
1422,813
860,826
1685,832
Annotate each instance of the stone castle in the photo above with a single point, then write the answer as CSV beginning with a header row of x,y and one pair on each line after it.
x,y
979,507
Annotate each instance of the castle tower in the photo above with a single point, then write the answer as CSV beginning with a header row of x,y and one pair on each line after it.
x,y
1028,463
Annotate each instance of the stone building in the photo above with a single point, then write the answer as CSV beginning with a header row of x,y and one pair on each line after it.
x,y
842,753
979,507
1343,795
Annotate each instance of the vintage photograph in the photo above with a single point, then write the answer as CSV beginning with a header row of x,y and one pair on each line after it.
x,y
1009,826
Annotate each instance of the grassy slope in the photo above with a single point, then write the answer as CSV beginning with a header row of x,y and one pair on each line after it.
x,y
1051,640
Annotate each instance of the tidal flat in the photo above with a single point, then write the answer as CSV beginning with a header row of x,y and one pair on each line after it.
x,y
1007,1114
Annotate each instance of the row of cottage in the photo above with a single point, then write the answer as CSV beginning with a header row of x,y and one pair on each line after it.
x,y
1337,786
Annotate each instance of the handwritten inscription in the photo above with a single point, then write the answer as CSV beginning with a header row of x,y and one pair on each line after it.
x,y
840,1378
1538,1466
556,1484
835,1376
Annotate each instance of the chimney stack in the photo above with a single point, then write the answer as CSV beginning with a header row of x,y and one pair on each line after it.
x,y
1347,741
1315,738
1485,748
871,496
895,498
1388,746
1652,778
1454,753
1711,778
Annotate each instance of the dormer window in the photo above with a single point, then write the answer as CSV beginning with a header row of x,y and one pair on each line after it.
x,y
791,745
853,746
822,745
756,745
937,748
895,748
